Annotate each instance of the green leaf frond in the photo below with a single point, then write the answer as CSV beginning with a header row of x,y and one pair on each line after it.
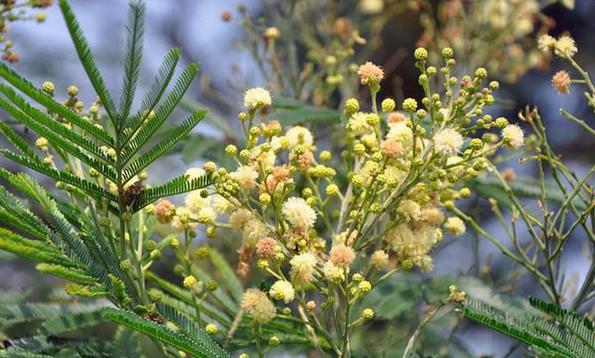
x,y
153,122
134,54
163,146
548,329
198,346
86,57
52,105
179,185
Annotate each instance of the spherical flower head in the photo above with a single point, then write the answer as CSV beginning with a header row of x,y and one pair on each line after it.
x,y
358,123
333,273
298,213
310,306
256,97
274,341
432,216
379,259
266,248
246,177
48,87
239,218
302,267
42,143
448,141
410,105
207,215
513,136
409,209
368,313
190,282
455,226
258,305
283,291
272,33
351,105
364,286
299,135
211,328
342,255
370,74
401,133
420,54
545,43
565,46
164,211
391,149
388,105
394,118
561,82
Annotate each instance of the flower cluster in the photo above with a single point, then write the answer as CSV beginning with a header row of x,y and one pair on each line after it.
x,y
11,11
327,229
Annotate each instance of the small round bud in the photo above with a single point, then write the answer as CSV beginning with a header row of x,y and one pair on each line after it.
x,y
274,341
465,192
73,91
410,105
359,149
368,313
388,105
357,277
352,105
501,122
332,190
447,52
231,150
155,255
481,73
211,329
209,167
264,198
420,54
364,286
48,87
190,282
325,155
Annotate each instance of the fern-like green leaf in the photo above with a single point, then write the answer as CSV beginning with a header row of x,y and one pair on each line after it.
x,y
197,346
127,343
71,322
86,57
48,102
68,273
163,146
29,312
179,185
33,249
88,187
57,139
134,53
155,121
50,124
16,140
153,96
26,220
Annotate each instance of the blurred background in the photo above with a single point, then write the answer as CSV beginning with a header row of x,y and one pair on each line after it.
x,y
220,35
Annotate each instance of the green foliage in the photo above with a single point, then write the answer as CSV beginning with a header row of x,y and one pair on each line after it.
x,y
549,330
128,135
198,346
291,112
83,234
